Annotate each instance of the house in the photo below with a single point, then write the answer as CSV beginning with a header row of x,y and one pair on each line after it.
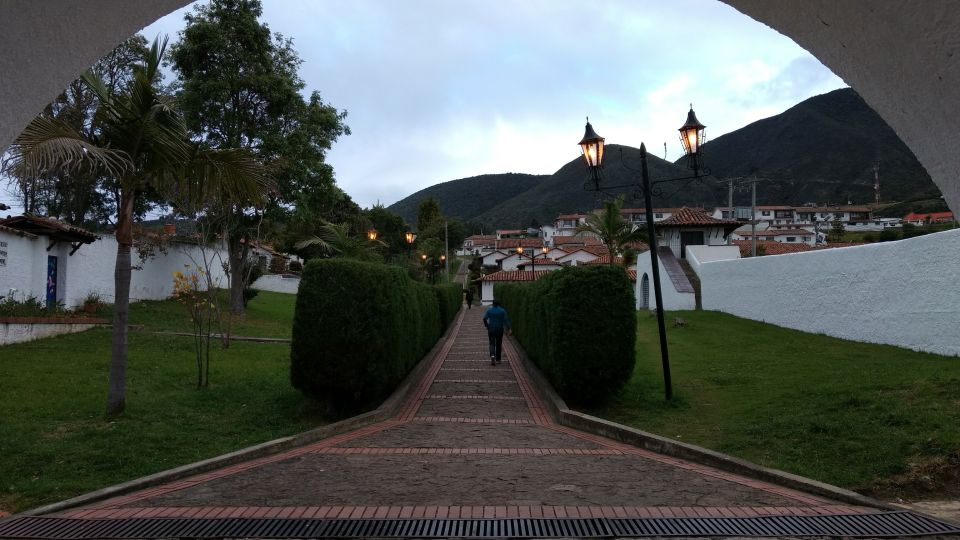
x,y
478,244
514,260
566,224
37,259
638,216
928,218
505,276
577,257
692,227
493,258
787,236
676,290
575,241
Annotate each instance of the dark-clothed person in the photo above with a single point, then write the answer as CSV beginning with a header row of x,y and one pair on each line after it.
x,y
497,321
469,298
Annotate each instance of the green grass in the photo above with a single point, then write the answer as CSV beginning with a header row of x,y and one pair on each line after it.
x,y
852,414
270,314
55,442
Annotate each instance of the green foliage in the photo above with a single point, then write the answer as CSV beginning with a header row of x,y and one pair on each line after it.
x,y
578,325
359,328
429,215
612,230
27,307
838,411
450,298
391,229
886,235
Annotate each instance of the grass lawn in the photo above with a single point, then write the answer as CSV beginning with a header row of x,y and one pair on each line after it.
x,y
55,442
873,418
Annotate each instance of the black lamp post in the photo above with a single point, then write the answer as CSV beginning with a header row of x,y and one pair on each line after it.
x,y
533,262
691,136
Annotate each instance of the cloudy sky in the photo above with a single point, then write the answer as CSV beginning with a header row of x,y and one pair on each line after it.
x,y
443,89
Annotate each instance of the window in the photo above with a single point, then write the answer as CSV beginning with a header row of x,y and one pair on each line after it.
x,y
806,238
791,239
766,212
658,215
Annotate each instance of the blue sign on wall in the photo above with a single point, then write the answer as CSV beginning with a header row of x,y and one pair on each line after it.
x,y
51,282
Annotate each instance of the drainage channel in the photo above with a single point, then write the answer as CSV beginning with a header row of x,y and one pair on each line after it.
x,y
888,524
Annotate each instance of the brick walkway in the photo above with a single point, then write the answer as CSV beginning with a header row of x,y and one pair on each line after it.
x,y
474,440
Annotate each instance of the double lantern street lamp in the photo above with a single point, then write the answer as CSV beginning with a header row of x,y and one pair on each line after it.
x,y
691,137
433,264
533,256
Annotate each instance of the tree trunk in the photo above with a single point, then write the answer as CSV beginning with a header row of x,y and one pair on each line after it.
x,y
237,275
116,393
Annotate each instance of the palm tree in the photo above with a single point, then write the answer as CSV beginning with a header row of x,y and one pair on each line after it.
x,y
140,142
612,230
335,240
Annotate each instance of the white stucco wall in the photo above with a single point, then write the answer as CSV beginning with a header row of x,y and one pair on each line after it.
x,y
697,255
90,269
672,300
19,333
281,283
902,293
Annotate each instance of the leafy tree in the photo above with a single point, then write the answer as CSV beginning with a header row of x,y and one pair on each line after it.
x,y
836,231
336,240
141,142
239,87
429,216
611,229
391,229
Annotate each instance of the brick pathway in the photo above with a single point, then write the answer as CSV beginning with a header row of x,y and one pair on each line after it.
x,y
474,440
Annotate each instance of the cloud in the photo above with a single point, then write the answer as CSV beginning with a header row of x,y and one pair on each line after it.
x,y
439,90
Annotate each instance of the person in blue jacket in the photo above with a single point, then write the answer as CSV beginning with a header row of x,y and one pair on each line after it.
x,y
497,321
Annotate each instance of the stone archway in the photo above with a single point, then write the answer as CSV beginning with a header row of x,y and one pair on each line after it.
x,y
904,62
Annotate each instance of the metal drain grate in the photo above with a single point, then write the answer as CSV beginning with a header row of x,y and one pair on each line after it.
x,y
856,525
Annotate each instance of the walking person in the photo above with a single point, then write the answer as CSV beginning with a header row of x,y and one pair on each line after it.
x,y
497,321
469,297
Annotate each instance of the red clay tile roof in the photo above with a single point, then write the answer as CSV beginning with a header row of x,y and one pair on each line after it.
x,y
17,232
570,216
655,210
48,226
932,216
688,217
830,245
767,247
584,240
482,239
512,243
515,275
605,259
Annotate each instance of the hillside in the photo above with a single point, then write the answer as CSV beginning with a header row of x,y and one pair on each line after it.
x,y
821,150
562,192
466,198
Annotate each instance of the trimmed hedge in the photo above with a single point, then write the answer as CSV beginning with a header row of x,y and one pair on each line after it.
x,y
450,298
359,328
579,326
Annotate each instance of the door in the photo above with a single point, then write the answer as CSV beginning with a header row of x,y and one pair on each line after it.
x,y
691,238
51,282
645,292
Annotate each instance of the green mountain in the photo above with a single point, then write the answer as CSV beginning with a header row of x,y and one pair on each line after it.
x,y
821,150
467,198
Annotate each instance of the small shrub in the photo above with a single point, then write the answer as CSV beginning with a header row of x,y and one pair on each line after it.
x,y
888,235
579,326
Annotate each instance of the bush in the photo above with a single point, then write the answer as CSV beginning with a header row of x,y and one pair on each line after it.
x,y
358,329
579,326
450,298
887,235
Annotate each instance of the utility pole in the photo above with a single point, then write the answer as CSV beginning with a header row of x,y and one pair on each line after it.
x,y
753,220
730,204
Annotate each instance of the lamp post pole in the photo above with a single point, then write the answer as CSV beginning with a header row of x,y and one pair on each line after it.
x,y
655,265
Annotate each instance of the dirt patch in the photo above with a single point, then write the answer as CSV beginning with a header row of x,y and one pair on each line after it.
x,y
926,478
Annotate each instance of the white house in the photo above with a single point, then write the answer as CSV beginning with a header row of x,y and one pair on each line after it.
x,y
676,290
690,227
786,236
577,257
493,258
505,276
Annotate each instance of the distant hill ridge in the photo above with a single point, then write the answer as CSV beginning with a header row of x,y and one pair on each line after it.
x,y
822,150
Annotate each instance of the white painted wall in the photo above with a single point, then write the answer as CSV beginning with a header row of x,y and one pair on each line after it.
x,y
900,293
281,283
697,255
91,269
672,300
19,333
577,258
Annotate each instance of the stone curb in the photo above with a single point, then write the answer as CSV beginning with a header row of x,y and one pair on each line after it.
x,y
565,416
386,410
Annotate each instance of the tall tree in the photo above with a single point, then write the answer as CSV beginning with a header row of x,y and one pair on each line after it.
x,y
141,142
429,215
611,229
239,88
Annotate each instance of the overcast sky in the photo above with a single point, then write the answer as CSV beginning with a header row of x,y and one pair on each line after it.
x,y
443,89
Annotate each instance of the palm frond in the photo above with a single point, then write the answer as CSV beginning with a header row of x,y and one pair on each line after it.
x,y
50,145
